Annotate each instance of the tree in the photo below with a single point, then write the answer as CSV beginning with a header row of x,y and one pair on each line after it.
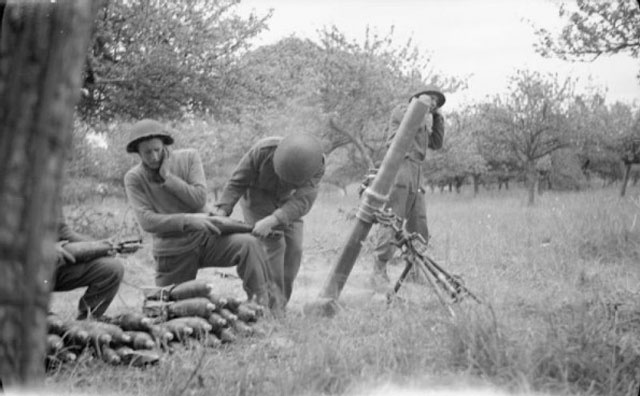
x,y
163,58
595,28
608,135
42,48
460,156
339,89
530,121
359,85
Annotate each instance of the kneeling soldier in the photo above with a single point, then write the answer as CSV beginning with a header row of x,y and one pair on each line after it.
x,y
168,194
101,275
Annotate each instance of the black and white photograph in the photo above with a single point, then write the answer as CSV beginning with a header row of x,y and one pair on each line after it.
x,y
303,197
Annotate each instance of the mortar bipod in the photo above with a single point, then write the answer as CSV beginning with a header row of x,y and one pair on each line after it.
x,y
448,288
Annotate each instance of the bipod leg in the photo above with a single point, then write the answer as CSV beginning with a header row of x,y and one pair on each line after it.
x,y
400,281
403,275
458,290
433,280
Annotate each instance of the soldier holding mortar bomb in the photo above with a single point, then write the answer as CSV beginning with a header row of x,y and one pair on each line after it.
x,y
167,191
278,180
98,272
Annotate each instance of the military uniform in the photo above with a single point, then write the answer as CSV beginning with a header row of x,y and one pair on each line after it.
x,y
101,276
406,198
161,207
264,193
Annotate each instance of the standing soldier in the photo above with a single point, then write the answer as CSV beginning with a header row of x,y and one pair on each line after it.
x,y
168,194
278,179
406,197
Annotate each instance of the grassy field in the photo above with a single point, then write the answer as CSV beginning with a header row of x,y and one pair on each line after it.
x,y
560,282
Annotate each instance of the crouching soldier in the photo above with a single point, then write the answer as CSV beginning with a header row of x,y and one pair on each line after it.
x,y
101,276
278,181
168,194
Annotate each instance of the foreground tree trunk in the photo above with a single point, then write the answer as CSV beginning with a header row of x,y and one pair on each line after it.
x,y
42,48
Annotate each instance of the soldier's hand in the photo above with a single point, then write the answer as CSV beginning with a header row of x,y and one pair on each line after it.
x,y
113,245
200,222
218,212
62,255
164,167
428,101
263,228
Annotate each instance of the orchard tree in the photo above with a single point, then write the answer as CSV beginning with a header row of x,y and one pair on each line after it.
x,y
595,28
530,121
361,82
459,156
165,58
608,135
42,48
340,90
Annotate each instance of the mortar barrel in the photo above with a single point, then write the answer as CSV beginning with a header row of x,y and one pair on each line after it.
x,y
373,199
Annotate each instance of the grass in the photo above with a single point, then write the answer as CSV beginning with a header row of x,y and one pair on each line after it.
x,y
560,282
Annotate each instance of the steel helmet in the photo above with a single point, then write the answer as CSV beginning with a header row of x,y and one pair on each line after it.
x,y
431,90
297,158
147,129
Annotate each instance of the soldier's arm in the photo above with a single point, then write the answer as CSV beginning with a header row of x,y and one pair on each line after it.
x,y
149,220
65,233
240,180
394,121
436,138
193,189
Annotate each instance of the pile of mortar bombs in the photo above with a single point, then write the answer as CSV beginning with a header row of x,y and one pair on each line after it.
x,y
183,313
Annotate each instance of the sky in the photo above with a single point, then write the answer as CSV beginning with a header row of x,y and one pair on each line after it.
x,y
483,41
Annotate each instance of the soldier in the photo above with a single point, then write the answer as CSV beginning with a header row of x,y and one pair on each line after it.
x,y
406,197
101,276
278,179
168,194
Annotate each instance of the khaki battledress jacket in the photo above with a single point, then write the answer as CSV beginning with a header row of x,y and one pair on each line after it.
x,y
406,197
161,207
263,193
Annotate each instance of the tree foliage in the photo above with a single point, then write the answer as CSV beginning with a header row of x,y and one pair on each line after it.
x,y
460,156
530,122
163,58
595,28
360,84
339,89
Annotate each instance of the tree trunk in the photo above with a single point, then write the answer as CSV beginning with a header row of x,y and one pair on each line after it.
x,y
42,49
476,184
625,180
532,180
355,140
